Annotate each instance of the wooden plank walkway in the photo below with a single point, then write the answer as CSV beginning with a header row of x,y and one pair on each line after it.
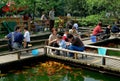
x,y
14,57
110,63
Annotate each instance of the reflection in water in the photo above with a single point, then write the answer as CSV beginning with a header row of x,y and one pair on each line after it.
x,y
54,71
90,79
66,78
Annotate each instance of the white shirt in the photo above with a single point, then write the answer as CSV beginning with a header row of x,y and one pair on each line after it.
x,y
51,15
43,17
27,36
68,15
75,25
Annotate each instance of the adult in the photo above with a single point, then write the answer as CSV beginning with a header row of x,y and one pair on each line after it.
x,y
74,32
26,37
69,16
97,31
53,38
15,39
27,17
75,25
107,32
45,21
52,18
76,44
43,17
69,24
115,28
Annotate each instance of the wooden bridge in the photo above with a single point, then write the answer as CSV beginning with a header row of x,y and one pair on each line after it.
x,y
91,60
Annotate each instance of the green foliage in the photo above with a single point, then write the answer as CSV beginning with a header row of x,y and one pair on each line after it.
x,y
90,20
81,8
76,7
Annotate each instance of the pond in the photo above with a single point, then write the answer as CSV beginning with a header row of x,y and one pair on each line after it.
x,y
54,71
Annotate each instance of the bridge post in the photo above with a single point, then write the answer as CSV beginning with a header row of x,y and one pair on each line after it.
x,y
45,50
103,61
18,54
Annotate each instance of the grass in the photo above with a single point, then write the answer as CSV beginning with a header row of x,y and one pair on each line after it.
x,y
113,53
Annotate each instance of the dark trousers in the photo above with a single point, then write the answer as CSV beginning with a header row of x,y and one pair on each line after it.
x,y
75,48
27,45
55,44
51,24
10,45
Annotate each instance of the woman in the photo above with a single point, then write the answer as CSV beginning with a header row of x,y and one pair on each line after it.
x,y
52,41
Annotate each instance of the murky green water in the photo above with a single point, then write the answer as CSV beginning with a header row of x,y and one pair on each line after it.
x,y
37,73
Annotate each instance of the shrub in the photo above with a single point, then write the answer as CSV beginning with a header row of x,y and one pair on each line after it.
x,y
90,20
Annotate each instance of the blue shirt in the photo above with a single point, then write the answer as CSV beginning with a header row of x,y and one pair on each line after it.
x,y
18,37
62,44
115,29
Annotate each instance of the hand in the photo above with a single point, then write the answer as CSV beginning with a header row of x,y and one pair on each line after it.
x,y
67,43
5,36
55,40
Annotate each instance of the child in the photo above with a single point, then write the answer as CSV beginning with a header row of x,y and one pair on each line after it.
x,y
26,37
61,42
65,35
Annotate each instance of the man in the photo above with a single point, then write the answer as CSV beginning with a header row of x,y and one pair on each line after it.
x,y
97,30
76,44
15,39
52,18
115,28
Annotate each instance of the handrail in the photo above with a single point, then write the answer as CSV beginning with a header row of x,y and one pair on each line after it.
x,y
114,49
21,50
34,41
46,48
33,35
82,53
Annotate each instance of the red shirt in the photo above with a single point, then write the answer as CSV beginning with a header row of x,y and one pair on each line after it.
x,y
65,37
97,30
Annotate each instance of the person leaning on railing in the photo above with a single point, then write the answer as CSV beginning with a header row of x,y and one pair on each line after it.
x,y
76,44
15,39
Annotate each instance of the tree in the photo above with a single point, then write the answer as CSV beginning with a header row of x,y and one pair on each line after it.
x,y
76,7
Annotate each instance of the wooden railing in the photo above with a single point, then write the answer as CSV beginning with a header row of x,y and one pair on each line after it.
x,y
76,53
86,61
18,52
